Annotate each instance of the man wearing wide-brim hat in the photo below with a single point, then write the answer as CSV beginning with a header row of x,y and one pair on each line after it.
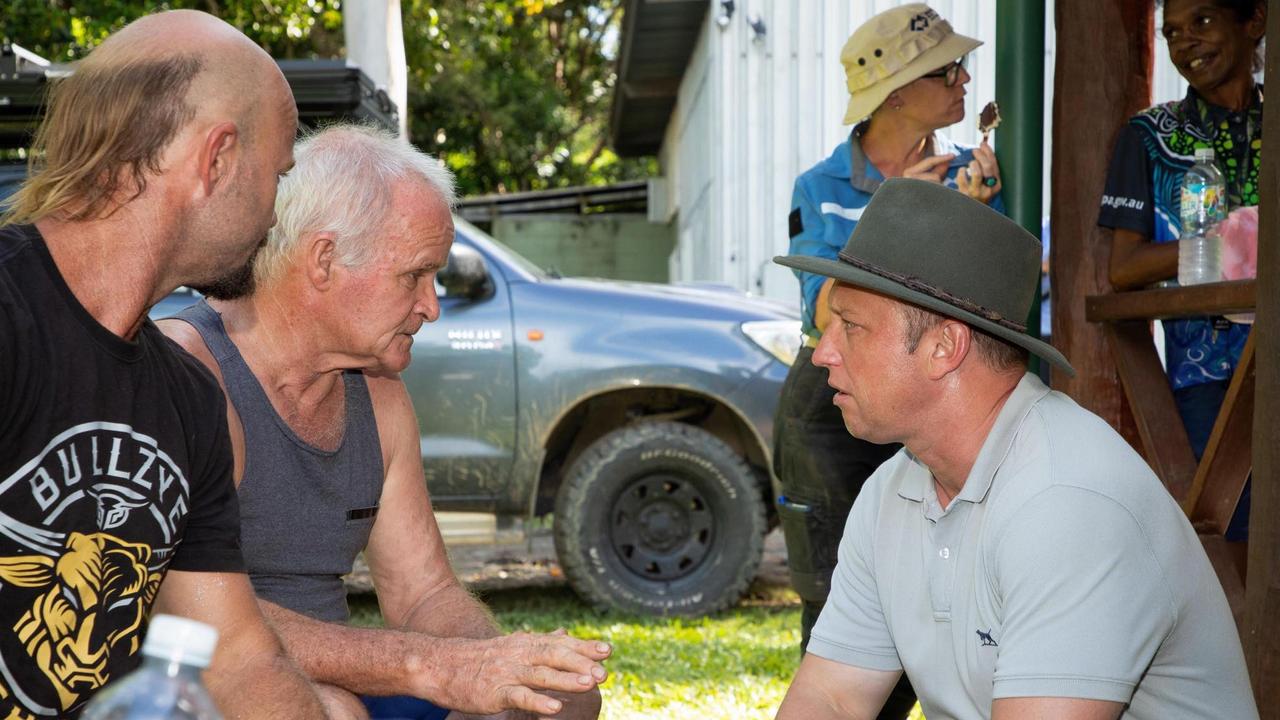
x,y
905,71
1017,558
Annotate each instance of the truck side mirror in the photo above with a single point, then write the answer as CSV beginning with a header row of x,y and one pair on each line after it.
x,y
466,275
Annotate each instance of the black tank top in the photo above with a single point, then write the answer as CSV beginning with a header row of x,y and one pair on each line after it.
x,y
305,513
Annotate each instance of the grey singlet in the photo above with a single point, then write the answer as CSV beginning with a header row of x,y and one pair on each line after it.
x,y
304,512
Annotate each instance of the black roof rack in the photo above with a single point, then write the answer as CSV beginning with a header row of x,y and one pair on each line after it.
x,y
325,91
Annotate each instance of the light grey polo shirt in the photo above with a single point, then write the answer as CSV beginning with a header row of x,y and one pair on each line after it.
x,y
1062,569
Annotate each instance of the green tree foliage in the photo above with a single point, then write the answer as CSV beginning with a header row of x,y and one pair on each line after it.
x,y
516,94
513,94
64,30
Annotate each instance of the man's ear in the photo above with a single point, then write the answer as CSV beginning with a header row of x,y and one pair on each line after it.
x,y
217,156
1256,27
949,344
320,258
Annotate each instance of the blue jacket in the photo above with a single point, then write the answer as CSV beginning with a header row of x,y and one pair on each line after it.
x,y
829,198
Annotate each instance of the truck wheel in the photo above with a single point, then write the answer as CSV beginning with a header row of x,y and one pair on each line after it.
x,y
660,518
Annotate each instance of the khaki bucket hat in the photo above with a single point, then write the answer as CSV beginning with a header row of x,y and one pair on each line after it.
x,y
894,48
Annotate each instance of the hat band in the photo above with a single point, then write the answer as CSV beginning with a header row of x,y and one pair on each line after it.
x,y
913,283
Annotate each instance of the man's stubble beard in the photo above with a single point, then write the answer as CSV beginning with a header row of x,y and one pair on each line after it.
x,y
233,285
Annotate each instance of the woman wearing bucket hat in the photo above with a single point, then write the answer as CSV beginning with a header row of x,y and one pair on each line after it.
x,y
906,77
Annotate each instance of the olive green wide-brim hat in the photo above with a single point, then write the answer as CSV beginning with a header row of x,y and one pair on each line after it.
x,y
931,246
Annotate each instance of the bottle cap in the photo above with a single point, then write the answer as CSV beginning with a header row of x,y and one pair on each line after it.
x,y
179,639
1204,154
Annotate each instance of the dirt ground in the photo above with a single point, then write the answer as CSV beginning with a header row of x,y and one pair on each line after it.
x,y
503,567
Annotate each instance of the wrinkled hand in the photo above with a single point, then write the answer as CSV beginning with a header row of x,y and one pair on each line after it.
x,y
577,706
932,168
971,180
511,672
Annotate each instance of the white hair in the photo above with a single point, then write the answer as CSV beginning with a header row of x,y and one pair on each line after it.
x,y
342,182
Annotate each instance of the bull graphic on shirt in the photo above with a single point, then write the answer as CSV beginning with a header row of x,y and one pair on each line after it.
x,y
88,525
93,599
114,506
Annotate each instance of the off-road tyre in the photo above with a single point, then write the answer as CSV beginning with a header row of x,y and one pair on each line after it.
x,y
660,518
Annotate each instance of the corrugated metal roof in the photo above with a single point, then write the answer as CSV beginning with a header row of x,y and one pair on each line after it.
x,y
632,196
658,37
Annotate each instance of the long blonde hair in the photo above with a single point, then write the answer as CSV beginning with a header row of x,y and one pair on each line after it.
x,y
105,130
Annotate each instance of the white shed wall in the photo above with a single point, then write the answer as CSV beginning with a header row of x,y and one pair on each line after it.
x,y
754,112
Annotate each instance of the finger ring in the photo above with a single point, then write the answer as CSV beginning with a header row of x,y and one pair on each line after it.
x,y
990,182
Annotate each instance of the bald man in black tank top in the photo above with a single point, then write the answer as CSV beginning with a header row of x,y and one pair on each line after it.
x,y
155,166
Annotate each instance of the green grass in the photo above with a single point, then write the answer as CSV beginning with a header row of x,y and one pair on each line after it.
x,y
736,664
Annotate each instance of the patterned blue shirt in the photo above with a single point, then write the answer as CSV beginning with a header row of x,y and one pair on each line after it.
x,y
1144,194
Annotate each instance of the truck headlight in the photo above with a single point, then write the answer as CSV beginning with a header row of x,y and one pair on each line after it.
x,y
779,338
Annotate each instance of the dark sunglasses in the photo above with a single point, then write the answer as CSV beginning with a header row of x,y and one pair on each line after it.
x,y
950,72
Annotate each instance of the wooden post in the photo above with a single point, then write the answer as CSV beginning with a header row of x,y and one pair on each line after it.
x,y
1103,76
1262,589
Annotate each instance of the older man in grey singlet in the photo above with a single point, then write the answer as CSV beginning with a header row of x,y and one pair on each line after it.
x,y
308,344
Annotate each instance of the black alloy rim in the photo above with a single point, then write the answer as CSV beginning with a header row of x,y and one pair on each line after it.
x,y
661,527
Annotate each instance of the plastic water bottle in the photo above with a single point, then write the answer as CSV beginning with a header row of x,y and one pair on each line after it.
x,y
168,685
1204,207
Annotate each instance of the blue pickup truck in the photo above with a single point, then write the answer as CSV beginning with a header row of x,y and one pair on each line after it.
x,y
635,419
640,415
